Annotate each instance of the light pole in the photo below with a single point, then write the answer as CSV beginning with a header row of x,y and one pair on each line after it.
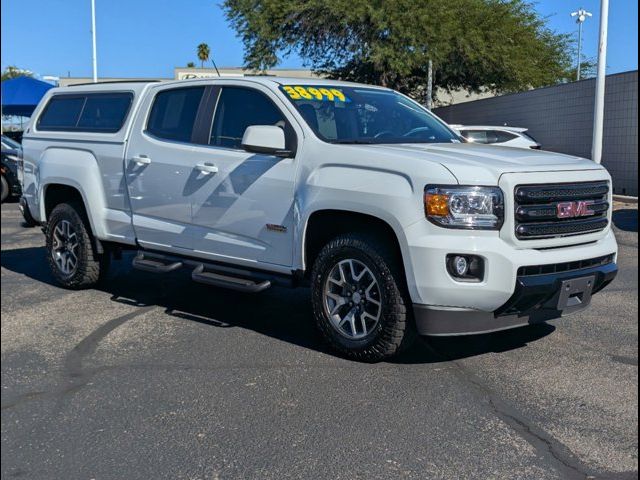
x,y
93,38
581,15
598,117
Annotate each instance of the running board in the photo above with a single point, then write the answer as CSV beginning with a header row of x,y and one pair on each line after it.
x,y
154,263
215,279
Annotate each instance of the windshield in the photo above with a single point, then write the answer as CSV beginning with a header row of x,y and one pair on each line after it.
x,y
366,115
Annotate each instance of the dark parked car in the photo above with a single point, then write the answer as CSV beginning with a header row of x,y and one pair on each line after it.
x,y
11,158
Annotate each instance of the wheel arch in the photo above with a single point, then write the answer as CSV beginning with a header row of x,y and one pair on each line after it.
x,y
325,224
54,194
81,182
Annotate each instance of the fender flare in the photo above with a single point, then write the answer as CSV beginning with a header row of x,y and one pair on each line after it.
x,y
81,172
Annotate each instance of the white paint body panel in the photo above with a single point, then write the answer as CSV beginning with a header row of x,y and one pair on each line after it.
x,y
223,216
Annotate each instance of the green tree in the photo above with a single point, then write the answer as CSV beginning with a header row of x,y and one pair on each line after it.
x,y
502,45
588,68
11,71
191,65
203,53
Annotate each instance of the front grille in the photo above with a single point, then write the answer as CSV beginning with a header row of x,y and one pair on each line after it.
x,y
537,209
532,270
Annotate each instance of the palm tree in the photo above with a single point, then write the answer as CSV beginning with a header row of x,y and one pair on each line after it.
x,y
203,53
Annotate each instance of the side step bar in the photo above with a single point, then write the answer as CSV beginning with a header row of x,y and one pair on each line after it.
x,y
154,263
200,275
210,273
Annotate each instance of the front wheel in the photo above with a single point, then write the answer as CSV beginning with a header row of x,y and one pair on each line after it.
x,y
359,300
70,251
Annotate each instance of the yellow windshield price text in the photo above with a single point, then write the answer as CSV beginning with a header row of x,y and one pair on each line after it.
x,y
314,93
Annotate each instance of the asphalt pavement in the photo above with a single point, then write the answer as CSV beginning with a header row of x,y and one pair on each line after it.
x,y
150,377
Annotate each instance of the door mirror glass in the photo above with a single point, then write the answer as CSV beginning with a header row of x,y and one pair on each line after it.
x,y
267,139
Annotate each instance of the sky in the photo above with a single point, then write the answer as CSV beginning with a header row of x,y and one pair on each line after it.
x,y
148,38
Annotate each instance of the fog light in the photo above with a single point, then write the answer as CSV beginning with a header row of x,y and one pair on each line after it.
x,y
468,268
461,266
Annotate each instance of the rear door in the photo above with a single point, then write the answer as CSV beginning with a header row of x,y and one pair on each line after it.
x,y
161,168
244,212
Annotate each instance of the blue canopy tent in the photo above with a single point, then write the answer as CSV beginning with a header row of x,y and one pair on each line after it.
x,y
21,95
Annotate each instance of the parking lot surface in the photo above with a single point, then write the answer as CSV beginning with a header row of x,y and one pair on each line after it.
x,y
157,377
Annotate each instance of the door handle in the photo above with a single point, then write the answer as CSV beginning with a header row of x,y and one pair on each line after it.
x,y
207,168
141,160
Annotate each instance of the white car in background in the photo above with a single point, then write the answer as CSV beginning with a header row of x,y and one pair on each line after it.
x,y
504,136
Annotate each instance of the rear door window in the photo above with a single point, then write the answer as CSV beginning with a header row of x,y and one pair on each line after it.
x,y
173,114
502,136
90,112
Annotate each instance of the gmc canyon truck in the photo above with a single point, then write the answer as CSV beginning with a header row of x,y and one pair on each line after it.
x,y
398,226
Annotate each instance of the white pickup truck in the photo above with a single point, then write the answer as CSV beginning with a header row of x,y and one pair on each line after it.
x,y
398,225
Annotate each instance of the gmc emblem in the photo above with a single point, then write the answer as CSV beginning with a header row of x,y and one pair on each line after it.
x,y
575,209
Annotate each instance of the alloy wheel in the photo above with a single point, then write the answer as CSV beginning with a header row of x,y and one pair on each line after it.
x,y
64,249
352,299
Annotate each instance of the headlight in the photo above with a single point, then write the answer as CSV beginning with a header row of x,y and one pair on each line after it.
x,y
473,208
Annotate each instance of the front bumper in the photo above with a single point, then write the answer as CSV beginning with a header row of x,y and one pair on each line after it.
x,y
430,283
536,298
12,179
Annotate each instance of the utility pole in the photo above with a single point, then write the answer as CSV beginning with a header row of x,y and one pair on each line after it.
x,y
598,117
581,15
429,84
93,38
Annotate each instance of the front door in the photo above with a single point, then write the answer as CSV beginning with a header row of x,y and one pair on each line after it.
x,y
244,212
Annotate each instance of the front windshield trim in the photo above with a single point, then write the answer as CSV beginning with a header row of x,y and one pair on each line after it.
x,y
414,106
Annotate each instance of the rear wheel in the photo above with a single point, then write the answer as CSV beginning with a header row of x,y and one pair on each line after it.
x,y
359,300
70,251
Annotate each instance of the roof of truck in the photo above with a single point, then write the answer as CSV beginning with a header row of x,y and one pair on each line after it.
x,y
133,86
269,80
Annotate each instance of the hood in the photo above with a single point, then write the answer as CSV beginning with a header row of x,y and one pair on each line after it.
x,y
484,164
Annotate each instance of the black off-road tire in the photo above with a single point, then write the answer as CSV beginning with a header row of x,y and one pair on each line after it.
x,y
91,267
4,194
395,330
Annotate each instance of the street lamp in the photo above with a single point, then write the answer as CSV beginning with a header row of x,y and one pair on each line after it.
x,y
581,15
598,118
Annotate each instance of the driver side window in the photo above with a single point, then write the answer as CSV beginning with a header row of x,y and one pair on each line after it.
x,y
239,108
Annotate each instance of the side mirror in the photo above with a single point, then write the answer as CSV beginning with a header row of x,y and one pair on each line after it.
x,y
265,139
